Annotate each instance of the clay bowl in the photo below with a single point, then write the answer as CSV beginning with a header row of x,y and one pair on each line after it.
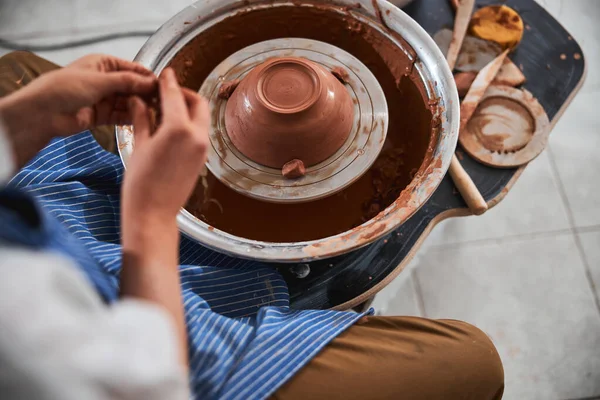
x,y
289,108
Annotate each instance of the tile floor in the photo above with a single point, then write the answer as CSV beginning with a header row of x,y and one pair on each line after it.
x,y
528,272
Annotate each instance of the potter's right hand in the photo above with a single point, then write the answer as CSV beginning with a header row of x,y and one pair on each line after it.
x,y
164,166
160,176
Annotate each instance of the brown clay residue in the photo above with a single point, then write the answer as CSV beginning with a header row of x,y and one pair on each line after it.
x,y
464,80
502,125
408,147
370,235
227,88
341,74
379,13
293,169
351,7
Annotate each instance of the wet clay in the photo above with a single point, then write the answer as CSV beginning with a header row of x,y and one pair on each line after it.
x,y
464,80
289,108
293,169
341,74
408,147
227,88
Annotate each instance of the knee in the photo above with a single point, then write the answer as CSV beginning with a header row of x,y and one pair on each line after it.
x,y
480,358
27,61
18,56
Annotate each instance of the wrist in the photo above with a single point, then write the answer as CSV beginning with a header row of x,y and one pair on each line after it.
x,y
146,235
25,125
21,113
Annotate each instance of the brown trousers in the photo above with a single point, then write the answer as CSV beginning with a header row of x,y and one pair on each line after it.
x,y
379,357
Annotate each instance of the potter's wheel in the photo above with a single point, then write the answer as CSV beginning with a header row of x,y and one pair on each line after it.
x,y
345,166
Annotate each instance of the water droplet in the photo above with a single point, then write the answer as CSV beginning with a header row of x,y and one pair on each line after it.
x,y
361,152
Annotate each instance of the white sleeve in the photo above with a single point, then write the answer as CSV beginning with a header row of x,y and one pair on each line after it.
x,y
59,341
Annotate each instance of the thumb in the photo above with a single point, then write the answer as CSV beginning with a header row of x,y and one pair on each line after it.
x,y
140,118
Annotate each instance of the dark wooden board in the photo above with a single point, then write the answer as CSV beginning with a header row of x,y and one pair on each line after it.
x,y
552,81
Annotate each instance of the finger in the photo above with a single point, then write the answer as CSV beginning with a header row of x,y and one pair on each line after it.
x,y
114,64
85,119
85,62
127,83
120,118
106,63
197,105
121,103
200,118
140,118
117,111
174,109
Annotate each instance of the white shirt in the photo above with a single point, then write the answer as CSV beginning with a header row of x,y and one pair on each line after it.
x,y
58,340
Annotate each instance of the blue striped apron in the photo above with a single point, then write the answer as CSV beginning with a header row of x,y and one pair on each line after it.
x,y
244,340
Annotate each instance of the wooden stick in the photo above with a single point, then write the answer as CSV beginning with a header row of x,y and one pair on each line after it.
x,y
462,180
467,188
461,23
481,83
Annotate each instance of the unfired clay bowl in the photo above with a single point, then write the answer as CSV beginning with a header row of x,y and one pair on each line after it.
x,y
289,108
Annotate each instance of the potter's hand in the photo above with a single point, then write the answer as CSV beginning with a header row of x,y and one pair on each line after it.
x,y
160,176
165,165
91,91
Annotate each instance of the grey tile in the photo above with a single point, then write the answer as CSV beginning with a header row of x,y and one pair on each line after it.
x,y
23,18
399,298
532,297
533,205
590,242
574,144
123,48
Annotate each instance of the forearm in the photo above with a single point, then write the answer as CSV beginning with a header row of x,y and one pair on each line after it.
x,y
150,269
24,126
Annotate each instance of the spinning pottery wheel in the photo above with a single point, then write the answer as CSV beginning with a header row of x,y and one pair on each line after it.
x,y
306,160
343,279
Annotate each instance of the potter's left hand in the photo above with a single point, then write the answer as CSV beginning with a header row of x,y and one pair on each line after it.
x,y
90,92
